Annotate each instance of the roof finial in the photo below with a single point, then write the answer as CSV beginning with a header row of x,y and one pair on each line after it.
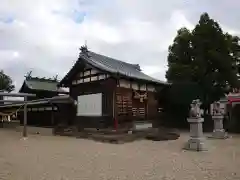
x,y
84,49
55,78
138,67
29,75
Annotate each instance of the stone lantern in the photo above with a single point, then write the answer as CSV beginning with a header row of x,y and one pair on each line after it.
x,y
196,141
217,116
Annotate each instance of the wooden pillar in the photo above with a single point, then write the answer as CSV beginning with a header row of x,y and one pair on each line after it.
x,y
52,115
115,117
25,118
52,121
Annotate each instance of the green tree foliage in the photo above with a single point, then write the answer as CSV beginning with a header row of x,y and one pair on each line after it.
x,y
234,50
213,65
6,82
205,56
175,100
180,57
203,63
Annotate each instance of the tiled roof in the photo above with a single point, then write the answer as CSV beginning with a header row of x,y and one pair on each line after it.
x,y
42,84
113,66
116,66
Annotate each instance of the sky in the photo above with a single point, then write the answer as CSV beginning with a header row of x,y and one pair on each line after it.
x,y
44,36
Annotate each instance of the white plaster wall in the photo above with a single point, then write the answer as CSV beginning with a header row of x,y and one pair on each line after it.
x,y
89,105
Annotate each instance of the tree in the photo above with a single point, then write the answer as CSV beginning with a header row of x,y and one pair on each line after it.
x,y
206,56
175,100
213,64
6,82
234,49
180,57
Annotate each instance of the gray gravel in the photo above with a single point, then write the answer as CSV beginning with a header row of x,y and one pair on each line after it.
x,y
64,158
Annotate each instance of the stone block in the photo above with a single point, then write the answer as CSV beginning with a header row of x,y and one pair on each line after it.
x,y
196,144
219,134
218,131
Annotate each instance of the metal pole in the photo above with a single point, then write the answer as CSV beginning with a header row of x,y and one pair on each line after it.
x,y
25,118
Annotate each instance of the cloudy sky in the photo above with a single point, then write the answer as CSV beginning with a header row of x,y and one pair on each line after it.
x,y
45,35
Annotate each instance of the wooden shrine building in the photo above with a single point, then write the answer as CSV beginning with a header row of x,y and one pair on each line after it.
x,y
109,92
42,87
51,106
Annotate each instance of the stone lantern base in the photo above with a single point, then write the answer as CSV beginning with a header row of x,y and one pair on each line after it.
x,y
196,144
218,132
197,140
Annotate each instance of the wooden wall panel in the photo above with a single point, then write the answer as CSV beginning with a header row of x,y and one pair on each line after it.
x,y
46,115
152,106
130,109
106,87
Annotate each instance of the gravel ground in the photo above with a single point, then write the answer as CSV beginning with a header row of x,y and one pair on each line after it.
x,y
62,158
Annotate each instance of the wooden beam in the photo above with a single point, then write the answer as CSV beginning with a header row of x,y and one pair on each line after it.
x,y
22,103
11,101
17,94
37,101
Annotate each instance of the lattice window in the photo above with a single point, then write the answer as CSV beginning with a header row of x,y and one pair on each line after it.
x,y
134,111
124,104
142,112
139,112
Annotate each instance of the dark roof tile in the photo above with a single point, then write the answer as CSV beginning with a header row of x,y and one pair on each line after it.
x,y
113,66
42,85
116,66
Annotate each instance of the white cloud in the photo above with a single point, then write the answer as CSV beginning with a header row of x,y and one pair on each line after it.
x,y
151,70
230,30
179,20
15,54
44,35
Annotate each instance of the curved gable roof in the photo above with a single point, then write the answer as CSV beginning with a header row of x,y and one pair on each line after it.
x,y
112,66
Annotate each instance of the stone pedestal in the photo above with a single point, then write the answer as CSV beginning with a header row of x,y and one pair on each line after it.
x,y
196,141
218,132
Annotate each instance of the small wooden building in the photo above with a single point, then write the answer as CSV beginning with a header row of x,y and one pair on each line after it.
x,y
109,92
42,87
50,107
47,112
